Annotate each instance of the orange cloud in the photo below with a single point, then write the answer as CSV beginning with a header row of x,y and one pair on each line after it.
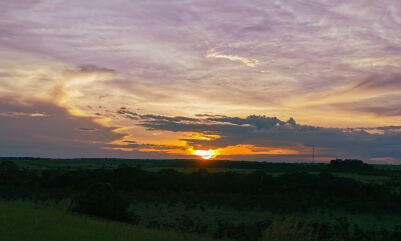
x,y
388,160
253,150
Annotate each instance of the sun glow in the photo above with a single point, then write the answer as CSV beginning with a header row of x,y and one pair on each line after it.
x,y
206,154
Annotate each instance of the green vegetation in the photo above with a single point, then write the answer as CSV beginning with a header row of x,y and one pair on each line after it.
x,y
101,200
289,231
20,222
219,200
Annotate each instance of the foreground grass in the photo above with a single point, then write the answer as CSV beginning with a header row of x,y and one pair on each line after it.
x,y
289,230
164,213
20,222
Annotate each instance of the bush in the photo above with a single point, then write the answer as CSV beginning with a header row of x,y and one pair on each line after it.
x,y
186,225
101,200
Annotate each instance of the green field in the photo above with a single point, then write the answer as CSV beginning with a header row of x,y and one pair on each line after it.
x,y
224,198
164,214
358,177
157,165
19,222
53,165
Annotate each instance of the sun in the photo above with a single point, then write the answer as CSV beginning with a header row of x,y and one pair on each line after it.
x,y
206,154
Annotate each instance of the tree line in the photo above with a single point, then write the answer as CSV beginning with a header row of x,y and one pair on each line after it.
x,y
108,192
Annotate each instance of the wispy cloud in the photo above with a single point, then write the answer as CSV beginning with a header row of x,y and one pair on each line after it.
x,y
374,62
247,61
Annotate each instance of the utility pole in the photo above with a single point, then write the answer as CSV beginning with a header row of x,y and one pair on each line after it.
x,y
313,154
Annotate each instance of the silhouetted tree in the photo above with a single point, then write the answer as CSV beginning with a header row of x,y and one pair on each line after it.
x,y
101,200
349,165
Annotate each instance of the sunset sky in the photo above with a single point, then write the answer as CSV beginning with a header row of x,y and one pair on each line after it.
x,y
248,80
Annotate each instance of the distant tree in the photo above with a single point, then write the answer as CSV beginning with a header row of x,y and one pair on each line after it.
x,y
349,165
8,166
101,200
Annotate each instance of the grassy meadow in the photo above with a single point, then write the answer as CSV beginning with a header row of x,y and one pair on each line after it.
x,y
21,222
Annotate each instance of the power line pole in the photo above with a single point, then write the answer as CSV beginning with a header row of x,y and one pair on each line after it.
x,y
313,154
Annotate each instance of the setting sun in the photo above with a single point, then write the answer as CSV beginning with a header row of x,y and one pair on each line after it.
x,y
206,154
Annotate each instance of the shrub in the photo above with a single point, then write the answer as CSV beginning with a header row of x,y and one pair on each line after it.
x,y
101,200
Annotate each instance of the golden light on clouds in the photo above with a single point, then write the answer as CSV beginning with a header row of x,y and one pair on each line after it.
x,y
202,136
205,154
241,150
252,150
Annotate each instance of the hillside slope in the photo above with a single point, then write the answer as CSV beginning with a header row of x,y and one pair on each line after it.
x,y
19,222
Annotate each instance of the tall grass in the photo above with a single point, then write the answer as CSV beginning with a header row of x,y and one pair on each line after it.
x,y
20,222
288,230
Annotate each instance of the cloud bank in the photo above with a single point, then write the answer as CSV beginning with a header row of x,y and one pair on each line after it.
x,y
260,133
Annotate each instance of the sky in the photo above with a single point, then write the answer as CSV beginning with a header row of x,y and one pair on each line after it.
x,y
231,79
